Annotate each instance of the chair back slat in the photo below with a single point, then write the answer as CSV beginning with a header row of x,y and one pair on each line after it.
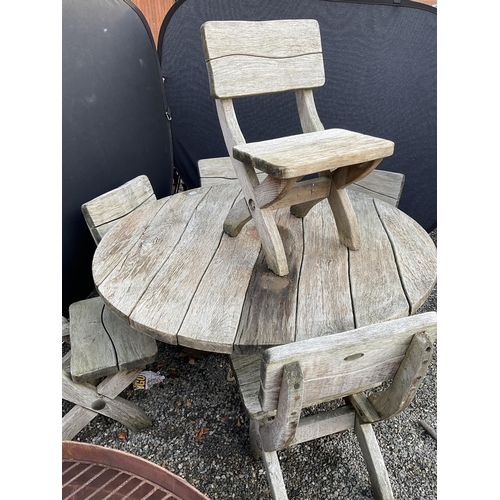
x,y
345,363
103,212
257,57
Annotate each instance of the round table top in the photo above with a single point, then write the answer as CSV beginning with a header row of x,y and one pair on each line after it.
x,y
170,270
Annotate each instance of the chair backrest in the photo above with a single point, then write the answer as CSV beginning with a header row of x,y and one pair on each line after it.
x,y
258,57
102,213
345,363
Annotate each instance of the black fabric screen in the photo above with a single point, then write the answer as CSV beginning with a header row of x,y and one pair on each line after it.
x,y
114,121
380,64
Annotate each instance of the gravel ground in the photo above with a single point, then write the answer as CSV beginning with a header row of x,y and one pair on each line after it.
x,y
200,432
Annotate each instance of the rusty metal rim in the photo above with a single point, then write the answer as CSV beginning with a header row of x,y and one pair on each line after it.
x,y
97,460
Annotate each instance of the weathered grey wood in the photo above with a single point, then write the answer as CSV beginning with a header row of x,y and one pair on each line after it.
x,y
102,212
274,475
163,233
338,289
229,272
78,417
241,56
258,50
319,151
86,395
247,370
102,344
329,369
294,376
92,351
186,266
269,310
376,290
377,470
279,433
132,348
325,265
308,114
65,327
407,380
364,409
345,218
384,185
66,361
418,272
323,424
264,222
127,236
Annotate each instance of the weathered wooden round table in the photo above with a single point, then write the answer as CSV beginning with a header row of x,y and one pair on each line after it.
x,y
170,270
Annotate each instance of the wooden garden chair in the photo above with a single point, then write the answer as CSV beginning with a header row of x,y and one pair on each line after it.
x,y
102,345
247,58
278,384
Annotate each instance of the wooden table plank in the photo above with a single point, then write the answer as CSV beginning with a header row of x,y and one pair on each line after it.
x,y
377,293
122,239
212,324
181,272
142,259
418,269
324,299
269,311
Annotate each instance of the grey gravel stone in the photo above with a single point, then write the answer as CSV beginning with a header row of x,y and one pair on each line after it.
x,y
199,395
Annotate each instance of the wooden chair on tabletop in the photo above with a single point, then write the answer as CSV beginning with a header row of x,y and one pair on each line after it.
x,y
103,345
277,384
246,58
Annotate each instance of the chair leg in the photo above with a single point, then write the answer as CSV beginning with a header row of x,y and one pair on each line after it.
x,y
255,442
274,475
271,463
377,470
345,217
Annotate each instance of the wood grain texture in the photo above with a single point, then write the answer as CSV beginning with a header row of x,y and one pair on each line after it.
x,y
241,56
229,273
139,263
122,410
92,351
133,349
418,270
177,279
374,461
376,290
319,151
324,298
102,212
263,218
269,310
171,269
328,363
384,185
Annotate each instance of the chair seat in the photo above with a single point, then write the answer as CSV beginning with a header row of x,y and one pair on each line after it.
x,y
304,154
103,344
